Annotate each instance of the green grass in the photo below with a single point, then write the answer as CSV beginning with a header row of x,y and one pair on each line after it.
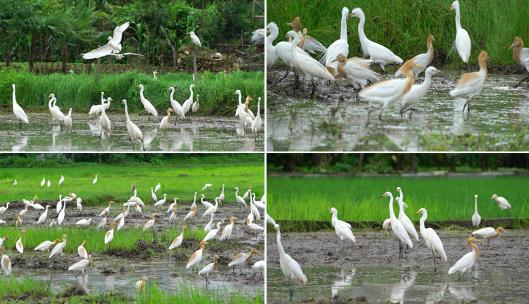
x,y
123,239
80,91
27,290
114,181
403,25
358,199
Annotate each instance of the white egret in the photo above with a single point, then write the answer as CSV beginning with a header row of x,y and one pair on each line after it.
x,y
221,195
150,223
5,262
421,61
432,240
212,209
194,39
396,227
104,122
196,257
403,218
271,54
3,209
178,110
196,105
354,70
467,261
2,240
154,73
135,134
488,232
502,202
191,213
43,182
259,203
147,105
240,259
113,47
253,208
57,249
291,269
78,203
48,184
209,224
238,198
94,181
109,235
471,84
157,187
82,264
213,233
228,229
62,214
105,104
343,229
102,223
46,245
386,225
206,204
68,120
462,42
188,102
17,110
257,122
179,239
161,202
61,180
19,245
81,251
172,206
209,268
417,92
43,216
153,196
376,52
83,222
259,266
476,218
105,210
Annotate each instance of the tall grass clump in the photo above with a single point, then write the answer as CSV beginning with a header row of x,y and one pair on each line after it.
x,y
358,199
80,91
403,25
14,288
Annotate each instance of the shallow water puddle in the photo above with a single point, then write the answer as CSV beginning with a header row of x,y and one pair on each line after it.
x,y
392,284
206,133
169,276
335,120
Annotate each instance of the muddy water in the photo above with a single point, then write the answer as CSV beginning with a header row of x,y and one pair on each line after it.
x,y
336,120
200,133
370,271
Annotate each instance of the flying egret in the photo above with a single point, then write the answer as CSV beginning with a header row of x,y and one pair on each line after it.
x,y
403,218
57,249
291,269
467,261
432,240
228,229
421,61
398,230
147,105
178,110
241,259
209,268
113,47
520,54
417,92
179,239
17,110
476,218
462,42
196,257
376,52
194,39
471,84
135,134
213,233
343,229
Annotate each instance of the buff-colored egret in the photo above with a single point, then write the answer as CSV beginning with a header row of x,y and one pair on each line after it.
x,y
46,245
17,110
105,210
396,227
109,235
213,233
94,181
83,222
161,202
310,44
467,261
150,223
135,134
476,218
520,54
471,84
212,209
147,105
196,257
172,206
431,239
178,110
196,104
19,245
209,268
241,259
188,102
343,229
385,93
421,61
338,47
179,239
191,213
291,269
271,54
228,229
376,52
140,285
81,251
239,198
58,249
5,262
355,71
488,232
3,209
417,92
462,42
403,218
82,264
195,39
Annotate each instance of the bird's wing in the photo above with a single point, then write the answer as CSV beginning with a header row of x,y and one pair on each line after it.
x,y
381,89
468,80
132,54
338,47
380,52
361,71
102,51
258,36
313,45
295,269
118,32
436,243
463,262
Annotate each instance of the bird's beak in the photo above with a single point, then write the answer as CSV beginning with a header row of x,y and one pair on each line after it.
x,y
510,47
451,8
418,212
382,195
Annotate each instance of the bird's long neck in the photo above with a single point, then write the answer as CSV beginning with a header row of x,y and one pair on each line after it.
x,y
475,205
294,44
475,249
430,49
391,211
191,90
458,19
343,30
171,95
50,103
279,244
273,35
240,98
483,66
258,107
409,82
361,24
141,92
401,205
127,112
516,53
14,95
421,222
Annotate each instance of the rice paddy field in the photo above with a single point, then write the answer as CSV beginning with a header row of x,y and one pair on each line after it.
x,y
357,199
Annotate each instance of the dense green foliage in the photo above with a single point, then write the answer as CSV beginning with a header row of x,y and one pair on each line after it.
x,y
80,91
358,199
395,163
178,179
403,25
60,30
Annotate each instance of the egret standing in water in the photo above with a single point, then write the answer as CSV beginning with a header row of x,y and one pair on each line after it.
x,y
398,230
432,240
135,134
467,261
342,229
291,269
17,110
520,54
417,92
403,218
471,84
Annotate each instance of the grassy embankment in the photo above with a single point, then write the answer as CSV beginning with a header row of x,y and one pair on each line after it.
x,y
180,178
80,91
358,199
28,290
403,26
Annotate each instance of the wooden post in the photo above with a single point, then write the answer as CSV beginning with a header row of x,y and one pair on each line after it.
x,y
195,67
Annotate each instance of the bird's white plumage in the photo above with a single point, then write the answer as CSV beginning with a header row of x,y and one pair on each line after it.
x,y
17,110
291,269
463,43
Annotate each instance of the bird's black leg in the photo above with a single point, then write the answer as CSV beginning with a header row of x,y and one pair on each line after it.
x,y
290,293
523,80
286,74
313,88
